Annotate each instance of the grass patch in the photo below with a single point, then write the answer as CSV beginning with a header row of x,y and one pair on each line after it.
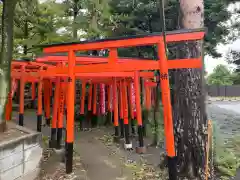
x,y
226,154
107,140
154,130
143,171
45,140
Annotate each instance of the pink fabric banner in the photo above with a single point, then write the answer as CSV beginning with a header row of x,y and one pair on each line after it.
x,y
133,100
102,99
14,86
111,97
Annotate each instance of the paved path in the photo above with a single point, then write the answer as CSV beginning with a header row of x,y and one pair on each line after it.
x,y
98,160
226,116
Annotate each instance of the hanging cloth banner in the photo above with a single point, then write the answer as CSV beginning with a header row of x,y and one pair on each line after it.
x,y
14,86
110,98
133,105
102,99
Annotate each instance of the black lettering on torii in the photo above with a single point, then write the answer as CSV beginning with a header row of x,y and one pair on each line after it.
x,y
69,79
163,76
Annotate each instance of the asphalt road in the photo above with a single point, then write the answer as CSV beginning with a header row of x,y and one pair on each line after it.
x,y
226,116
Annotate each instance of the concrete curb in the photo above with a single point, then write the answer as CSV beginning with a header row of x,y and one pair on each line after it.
x,y
29,134
20,154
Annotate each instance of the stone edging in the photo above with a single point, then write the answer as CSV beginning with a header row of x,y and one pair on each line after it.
x,y
29,134
223,99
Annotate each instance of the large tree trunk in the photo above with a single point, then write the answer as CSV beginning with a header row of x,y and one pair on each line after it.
x,y
75,13
189,109
6,56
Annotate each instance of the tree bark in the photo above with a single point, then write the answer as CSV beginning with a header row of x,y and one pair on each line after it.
x,y
75,13
6,56
25,47
189,109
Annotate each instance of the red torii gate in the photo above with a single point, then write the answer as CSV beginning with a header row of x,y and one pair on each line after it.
x,y
26,71
113,65
98,78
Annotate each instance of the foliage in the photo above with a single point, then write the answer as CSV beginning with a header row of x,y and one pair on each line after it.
x,y
226,154
233,57
23,22
96,15
43,23
131,17
108,18
87,17
94,19
151,128
220,76
234,22
73,9
216,14
236,78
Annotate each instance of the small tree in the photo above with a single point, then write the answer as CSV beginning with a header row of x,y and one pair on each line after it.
x,y
220,76
6,55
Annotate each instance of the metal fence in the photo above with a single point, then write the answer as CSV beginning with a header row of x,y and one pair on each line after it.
x,y
224,91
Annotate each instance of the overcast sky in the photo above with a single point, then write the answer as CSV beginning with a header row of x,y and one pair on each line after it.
x,y
211,63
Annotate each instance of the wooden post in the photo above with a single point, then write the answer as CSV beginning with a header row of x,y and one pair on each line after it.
x,y
82,104
141,149
133,106
94,118
83,97
9,102
121,110
109,105
89,112
128,144
53,143
40,104
33,87
116,116
21,103
90,97
95,99
60,115
8,107
167,112
48,102
70,112
148,97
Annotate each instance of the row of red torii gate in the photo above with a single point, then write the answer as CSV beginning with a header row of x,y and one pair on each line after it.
x,y
120,75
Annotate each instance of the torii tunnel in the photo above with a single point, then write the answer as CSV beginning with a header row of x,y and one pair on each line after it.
x,y
120,75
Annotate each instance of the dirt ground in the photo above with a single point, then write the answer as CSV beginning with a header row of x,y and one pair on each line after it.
x,y
97,157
